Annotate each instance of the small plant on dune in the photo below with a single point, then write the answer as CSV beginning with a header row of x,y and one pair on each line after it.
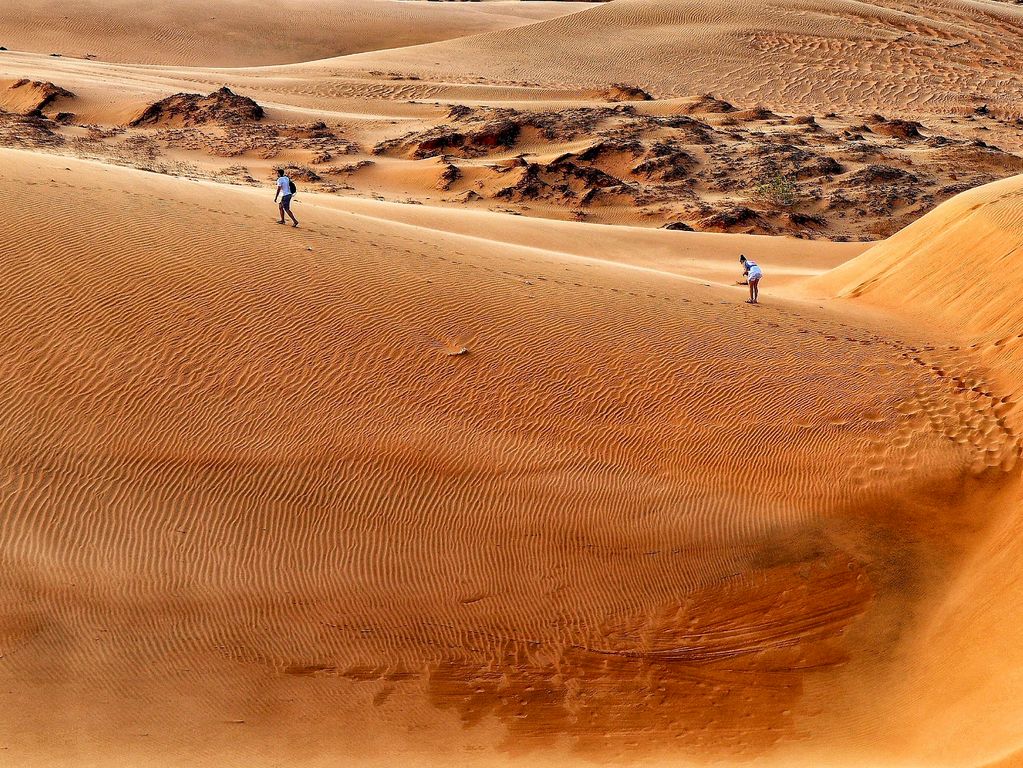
x,y
778,192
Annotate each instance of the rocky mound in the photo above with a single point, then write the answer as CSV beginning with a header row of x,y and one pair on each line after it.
x,y
561,181
623,92
31,97
908,130
477,132
222,107
728,169
709,104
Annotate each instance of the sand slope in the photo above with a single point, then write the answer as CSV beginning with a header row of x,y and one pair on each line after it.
x,y
955,268
837,54
427,486
380,490
248,33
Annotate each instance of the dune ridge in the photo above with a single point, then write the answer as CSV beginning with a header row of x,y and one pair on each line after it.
x,y
953,269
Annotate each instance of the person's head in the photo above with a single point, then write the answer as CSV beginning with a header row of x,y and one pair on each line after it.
x,y
280,171
742,258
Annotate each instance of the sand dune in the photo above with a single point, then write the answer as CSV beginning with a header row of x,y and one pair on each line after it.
x,y
450,475
829,55
953,269
248,33
298,471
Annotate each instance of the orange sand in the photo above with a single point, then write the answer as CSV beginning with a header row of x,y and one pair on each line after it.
x,y
439,485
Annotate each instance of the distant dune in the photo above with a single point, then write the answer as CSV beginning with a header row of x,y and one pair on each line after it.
x,y
837,54
247,32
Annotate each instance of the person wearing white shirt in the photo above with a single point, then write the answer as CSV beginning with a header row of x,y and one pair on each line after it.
x,y
752,273
285,191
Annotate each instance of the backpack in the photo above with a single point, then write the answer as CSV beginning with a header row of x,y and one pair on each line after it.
x,y
292,185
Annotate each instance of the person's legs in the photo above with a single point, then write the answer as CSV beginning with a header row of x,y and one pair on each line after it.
x,y
286,208
755,289
281,206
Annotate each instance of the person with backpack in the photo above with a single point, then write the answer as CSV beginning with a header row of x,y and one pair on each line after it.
x,y
752,272
285,190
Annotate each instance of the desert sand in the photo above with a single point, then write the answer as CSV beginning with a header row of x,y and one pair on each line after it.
x,y
487,463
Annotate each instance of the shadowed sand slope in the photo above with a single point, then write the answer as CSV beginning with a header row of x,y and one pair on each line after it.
x,y
247,33
374,490
834,54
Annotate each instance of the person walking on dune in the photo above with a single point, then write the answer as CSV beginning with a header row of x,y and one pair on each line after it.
x,y
752,272
285,190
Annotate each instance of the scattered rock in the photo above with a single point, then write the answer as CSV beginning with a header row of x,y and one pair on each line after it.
x,y
877,174
32,130
896,129
729,219
460,112
690,130
797,219
301,173
611,147
445,139
666,161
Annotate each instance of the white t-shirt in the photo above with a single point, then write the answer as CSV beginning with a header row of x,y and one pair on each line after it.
x,y
284,183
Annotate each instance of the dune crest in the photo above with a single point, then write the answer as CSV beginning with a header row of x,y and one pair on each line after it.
x,y
29,97
955,268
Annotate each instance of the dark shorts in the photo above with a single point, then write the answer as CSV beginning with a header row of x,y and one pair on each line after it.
x,y
286,202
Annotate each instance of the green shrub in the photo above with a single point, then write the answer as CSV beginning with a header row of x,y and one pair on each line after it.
x,y
778,192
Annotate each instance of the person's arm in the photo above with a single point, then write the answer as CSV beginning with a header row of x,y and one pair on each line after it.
x,y
277,193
